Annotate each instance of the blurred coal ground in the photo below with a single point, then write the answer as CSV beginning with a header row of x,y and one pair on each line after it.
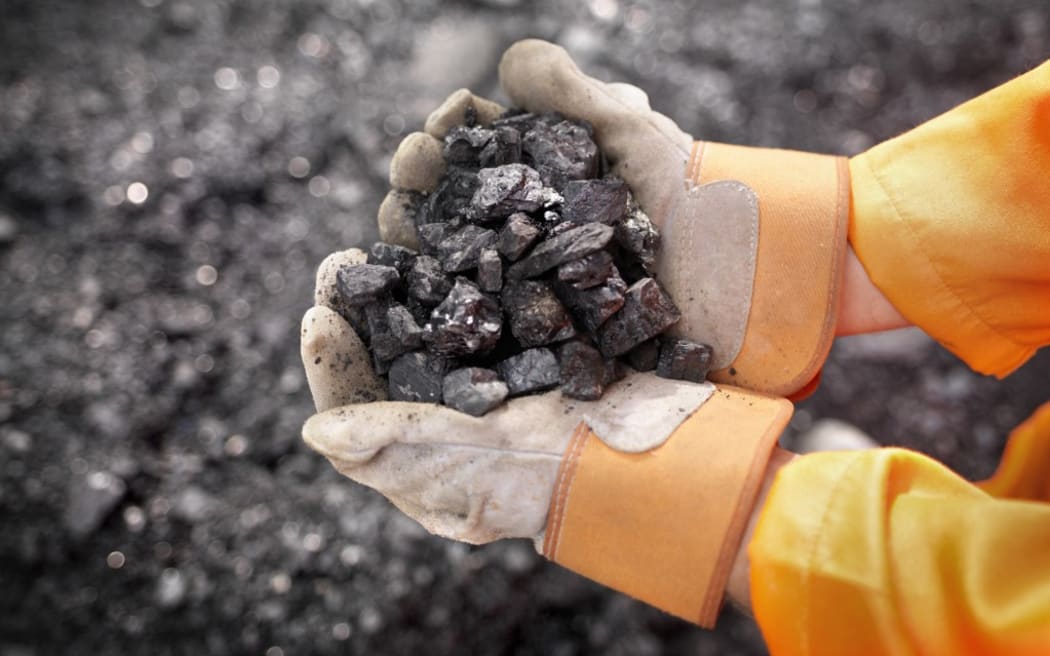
x,y
172,171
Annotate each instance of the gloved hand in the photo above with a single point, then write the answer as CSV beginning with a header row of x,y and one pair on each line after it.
x,y
753,240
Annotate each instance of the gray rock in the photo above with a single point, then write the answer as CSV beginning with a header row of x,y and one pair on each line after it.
x,y
570,245
535,315
682,359
473,390
360,284
427,281
418,377
467,321
517,235
530,371
582,371
504,190
588,271
647,311
490,270
461,249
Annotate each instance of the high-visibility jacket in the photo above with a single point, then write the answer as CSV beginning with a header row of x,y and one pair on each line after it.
x,y
887,551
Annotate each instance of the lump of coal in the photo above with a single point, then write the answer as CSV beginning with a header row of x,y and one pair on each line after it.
x,y
451,198
582,371
417,376
360,284
503,148
503,190
593,306
647,311
393,329
431,235
460,250
463,145
467,321
427,281
517,235
595,200
561,152
637,235
530,371
645,356
399,257
588,271
535,315
682,359
570,245
490,270
473,390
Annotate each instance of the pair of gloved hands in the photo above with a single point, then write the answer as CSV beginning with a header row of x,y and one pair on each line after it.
x,y
753,252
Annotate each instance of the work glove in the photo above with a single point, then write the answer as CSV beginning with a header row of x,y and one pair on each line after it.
x,y
753,240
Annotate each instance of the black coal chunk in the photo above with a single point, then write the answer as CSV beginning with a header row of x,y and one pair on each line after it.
x,y
451,198
467,321
588,271
647,311
535,315
637,235
503,148
582,371
645,356
682,359
530,371
360,284
593,306
518,233
490,270
399,257
393,329
431,235
473,390
503,190
460,250
427,281
595,200
417,376
463,145
570,245
561,152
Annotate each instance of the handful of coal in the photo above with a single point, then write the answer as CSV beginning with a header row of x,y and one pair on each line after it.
x,y
534,272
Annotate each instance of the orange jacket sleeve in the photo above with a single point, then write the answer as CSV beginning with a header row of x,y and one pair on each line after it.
x,y
887,551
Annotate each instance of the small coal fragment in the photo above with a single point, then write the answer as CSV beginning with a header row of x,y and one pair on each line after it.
x,y
582,371
451,198
360,284
432,234
530,371
588,271
503,148
561,152
420,312
503,190
523,121
535,315
645,356
595,200
417,376
647,311
473,390
460,250
463,145
467,321
638,236
427,281
393,329
568,246
490,270
682,359
517,235
593,306
393,255
614,371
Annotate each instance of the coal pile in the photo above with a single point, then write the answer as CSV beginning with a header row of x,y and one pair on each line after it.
x,y
535,272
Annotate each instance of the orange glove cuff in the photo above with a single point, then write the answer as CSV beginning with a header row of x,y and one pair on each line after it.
x,y
803,203
663,526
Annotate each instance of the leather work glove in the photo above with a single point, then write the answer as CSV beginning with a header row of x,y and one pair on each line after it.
x,y
753,240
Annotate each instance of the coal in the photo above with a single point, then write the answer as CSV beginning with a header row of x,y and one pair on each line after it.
x,y
503,148
535,315
360,284
417,376
588,271
593,306
561,152
503,190
645,356
399,257
647,311
517,235
637,235
533,370
568,246
393,330
582,371
427,281
603,200
490,270
452,197
460,250
431,235
466,322
682,359
473,390
463,145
